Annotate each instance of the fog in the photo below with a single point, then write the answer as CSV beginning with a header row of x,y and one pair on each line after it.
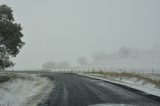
x,y
63,30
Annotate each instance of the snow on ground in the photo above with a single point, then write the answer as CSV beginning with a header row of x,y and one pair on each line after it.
x,y
22,89
133,83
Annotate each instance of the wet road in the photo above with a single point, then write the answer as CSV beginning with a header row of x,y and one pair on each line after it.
x,y
75,90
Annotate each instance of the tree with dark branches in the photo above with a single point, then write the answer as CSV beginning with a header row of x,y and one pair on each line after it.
x,y
10,37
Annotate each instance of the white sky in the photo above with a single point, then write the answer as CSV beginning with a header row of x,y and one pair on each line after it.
x,y
62,30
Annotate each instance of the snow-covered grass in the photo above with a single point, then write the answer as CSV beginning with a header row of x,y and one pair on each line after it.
x,y
139,82
131,76
22,89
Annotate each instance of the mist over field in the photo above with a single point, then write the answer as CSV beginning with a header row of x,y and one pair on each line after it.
x,y
66,30
127,59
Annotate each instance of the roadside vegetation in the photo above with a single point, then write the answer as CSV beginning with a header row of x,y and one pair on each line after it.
x,y
128,75
4,77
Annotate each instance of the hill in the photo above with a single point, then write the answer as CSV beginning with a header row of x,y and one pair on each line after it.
x,y
130,60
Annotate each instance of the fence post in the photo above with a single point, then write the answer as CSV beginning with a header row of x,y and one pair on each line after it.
x,y
142,72
39,74
152,72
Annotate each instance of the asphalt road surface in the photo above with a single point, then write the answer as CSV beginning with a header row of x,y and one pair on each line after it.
x,y
75,90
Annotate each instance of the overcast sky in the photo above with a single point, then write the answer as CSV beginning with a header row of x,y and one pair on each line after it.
x,y
62,30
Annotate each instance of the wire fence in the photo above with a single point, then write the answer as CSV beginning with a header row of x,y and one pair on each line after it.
x,y
142,71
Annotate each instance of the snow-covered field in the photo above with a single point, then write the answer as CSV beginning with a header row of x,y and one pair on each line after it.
x,y
24,90
141,85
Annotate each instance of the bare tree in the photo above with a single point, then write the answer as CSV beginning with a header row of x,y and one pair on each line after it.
x,y
124,51
53,65
49,65
82,61
99,56
64,64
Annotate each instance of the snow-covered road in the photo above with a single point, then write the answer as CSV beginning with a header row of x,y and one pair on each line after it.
x,y
141,85
75,90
